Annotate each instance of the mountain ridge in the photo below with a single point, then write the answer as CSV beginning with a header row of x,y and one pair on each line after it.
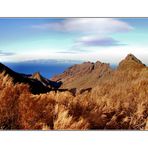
x,y
35,86
89,74
79,76
75,76
108,99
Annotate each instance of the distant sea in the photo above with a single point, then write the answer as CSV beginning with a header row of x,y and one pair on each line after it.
x,y
47,70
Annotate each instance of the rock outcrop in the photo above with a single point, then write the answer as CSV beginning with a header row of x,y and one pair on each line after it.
x,y
83,75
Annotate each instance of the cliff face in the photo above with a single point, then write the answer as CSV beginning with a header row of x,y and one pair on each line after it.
x,y
83,75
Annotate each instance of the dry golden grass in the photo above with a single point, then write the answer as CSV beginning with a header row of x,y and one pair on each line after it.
x,y
9,100
118,102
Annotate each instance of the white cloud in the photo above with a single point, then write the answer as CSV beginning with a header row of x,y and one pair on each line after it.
x,y
92,31
97,41
88,25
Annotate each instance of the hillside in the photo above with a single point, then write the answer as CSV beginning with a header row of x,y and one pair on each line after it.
x,y
118,99
89,75
83,76
7,75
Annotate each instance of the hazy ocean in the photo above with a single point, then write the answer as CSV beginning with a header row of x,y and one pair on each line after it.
x,y
47,70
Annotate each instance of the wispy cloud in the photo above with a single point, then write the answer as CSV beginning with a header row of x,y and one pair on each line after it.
x,y
90,30
74,50
87,25
3,53
67,52
98,41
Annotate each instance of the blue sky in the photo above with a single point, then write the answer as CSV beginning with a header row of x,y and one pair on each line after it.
x,y
89,39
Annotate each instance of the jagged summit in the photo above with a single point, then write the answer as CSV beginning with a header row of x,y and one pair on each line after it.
x,y
83,75
132,57
80,76
46,82
37,76
40,78
130,62
88,74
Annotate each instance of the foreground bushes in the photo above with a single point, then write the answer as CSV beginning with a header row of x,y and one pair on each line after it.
x,y
9,103
114,104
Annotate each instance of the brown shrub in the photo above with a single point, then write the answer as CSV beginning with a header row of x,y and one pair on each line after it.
x,y
9,105
118,102
36,112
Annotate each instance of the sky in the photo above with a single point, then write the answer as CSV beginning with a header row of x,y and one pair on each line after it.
x,y
86,39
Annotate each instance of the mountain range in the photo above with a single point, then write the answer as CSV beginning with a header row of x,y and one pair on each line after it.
x,y
79,76
88,74
85,96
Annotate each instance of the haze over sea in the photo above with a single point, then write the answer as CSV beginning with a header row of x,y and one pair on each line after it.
x,y
47,69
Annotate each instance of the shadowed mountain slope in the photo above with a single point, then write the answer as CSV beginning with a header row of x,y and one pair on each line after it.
x,y
40,78
46,82
7,74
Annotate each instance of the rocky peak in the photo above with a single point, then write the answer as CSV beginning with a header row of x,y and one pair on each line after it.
x,y
37,75
101,65
131,62
130,57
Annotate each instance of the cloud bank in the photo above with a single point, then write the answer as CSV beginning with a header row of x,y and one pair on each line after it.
x,y
90,30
